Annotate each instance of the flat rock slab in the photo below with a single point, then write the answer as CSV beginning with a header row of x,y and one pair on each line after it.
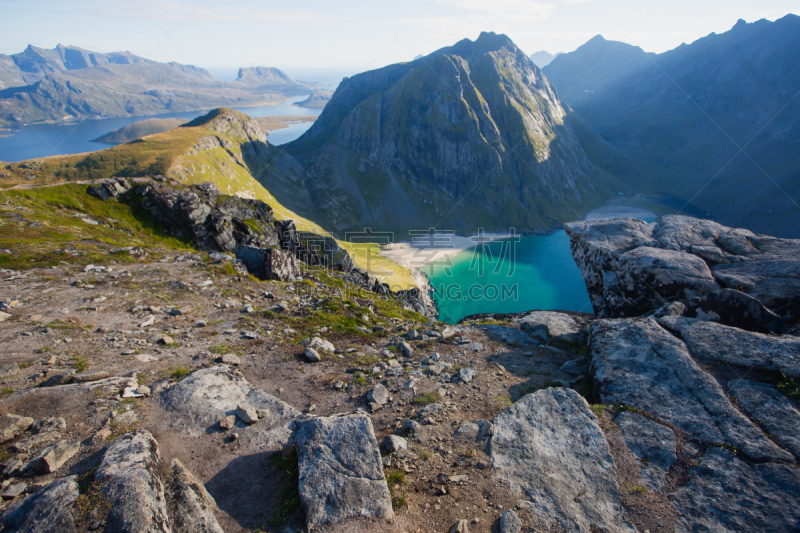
x,y
549,447
728,495
710,341
652,444
12,425
129,479
209,395
47,509
547,325
771,408
341,471
637,363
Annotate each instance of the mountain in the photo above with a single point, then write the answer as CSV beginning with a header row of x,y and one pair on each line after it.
x,y
69,83
685,114
471,135
543,58
580,74
316,100
140,129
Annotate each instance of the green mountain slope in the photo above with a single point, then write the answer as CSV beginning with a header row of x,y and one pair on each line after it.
x,y
471,135
224,147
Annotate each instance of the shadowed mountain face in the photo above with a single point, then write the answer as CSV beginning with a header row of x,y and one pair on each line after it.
x,y
471,135
684,116
40,85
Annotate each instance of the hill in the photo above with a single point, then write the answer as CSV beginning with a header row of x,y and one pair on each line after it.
x,y
69,83
471,135
709,122
224,147
317,99
140,129
543,58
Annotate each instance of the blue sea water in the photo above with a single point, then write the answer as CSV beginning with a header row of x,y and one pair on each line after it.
x,y
43,140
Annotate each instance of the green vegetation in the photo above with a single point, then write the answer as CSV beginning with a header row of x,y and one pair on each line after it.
x,y
7,390
360,381
427,398
79,364
178,373
790,387
526,389
91,503
395,479
289,505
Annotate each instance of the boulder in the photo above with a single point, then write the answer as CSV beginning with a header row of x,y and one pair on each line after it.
x,y
47,509
340,471
637,363
321,345
652,444
771,408
729,495
88,377
465,375
548,325
53,457
549,448
204,397
618,256
311,355
393,444
462,526
12,425
129,479
510,522
247,413
193,509
379,395
711,342
268,263
467,430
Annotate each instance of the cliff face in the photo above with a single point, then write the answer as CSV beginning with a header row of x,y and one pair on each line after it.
x,y
471,135
711,122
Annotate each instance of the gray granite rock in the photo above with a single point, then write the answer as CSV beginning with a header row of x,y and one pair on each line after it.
x,y
771,408
735,309
193,508
549,447
209,395
340,470
378,395
652,444
636,362
712,342
12,425
465,375
510,522
393,444
728,495
47,509
129,479
548,325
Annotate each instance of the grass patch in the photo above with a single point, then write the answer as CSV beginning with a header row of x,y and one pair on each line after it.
x,y
7,390
360,381
635,489
425,454
395,479
427,398
79,364
524,390
24,365
91,503
178,373
790,387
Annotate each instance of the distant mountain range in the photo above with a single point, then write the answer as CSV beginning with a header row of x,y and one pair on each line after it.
x,y
683,116
471,135
69,83
543,58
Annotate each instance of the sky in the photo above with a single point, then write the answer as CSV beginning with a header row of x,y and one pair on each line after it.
x,y
358,35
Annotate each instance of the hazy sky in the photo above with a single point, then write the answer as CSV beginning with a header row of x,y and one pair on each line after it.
x,y
358,35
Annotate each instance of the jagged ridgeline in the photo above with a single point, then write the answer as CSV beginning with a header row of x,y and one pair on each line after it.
x,y
470,135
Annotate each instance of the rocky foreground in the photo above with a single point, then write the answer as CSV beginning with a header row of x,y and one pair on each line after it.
x,y
180,395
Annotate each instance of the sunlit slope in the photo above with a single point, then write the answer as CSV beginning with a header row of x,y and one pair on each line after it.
x,y
224,147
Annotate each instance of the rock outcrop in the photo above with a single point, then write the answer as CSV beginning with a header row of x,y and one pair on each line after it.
x,y
639,364
192,508
268,263
632,268
202,399
341,471
47,509
129,479
549,447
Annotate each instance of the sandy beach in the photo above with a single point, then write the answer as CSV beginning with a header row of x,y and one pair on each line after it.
x,y
421,252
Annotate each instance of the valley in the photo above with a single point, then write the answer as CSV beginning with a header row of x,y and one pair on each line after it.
x,y
458,294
